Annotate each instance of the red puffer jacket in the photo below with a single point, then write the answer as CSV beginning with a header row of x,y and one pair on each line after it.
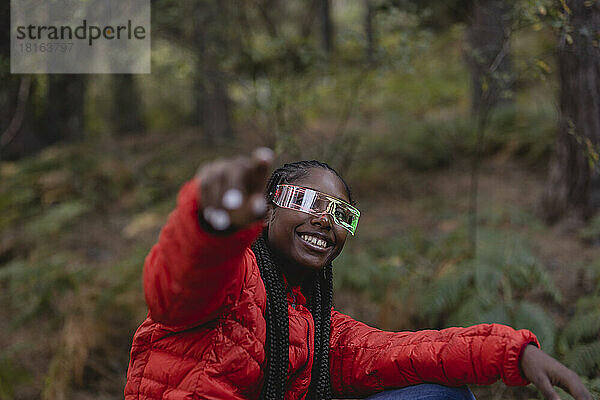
x,y
205,334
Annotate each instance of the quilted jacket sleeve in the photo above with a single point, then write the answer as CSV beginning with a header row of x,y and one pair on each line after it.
x,y
365,360
190,275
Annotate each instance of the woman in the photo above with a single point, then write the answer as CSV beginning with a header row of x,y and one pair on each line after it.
x,y
240,292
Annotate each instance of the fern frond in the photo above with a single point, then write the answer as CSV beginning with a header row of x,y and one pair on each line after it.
x,y
584,359
526,272
588,303
445,292
497,314
533,317
583,326
14,269
488,278
476,310
469,312
544,279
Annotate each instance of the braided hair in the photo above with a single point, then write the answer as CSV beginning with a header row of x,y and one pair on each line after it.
x,y
319,292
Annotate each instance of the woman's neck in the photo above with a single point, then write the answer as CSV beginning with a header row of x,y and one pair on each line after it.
x,y
294,274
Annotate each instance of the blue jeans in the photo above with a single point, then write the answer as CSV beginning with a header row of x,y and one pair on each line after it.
x,y
425,391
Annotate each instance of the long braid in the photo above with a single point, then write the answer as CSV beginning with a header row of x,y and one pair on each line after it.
x,y
324,386
276,315
320,299
314,306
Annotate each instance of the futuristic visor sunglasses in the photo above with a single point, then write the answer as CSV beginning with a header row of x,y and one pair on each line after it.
x,y
317,203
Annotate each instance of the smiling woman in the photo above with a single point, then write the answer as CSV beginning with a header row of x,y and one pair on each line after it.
x,y
239,288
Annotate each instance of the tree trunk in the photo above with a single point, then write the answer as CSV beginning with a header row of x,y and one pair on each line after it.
x,y
9,85
488,54
21,121
369,29
64,108
8,82
307,23
213,105
33,125
326,27
573,187
127,110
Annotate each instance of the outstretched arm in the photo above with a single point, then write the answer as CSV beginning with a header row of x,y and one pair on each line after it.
x,y
191,273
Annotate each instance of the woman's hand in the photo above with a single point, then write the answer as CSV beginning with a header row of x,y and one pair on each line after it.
x,y
544,372
232,190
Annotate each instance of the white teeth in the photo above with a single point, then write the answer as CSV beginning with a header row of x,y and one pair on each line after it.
x,y
315,241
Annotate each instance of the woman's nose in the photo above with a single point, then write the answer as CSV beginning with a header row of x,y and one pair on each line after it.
x,y
324,220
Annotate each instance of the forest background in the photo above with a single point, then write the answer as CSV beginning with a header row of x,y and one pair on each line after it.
x,y
468,130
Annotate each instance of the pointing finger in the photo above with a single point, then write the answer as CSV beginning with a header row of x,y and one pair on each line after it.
x,y
262,158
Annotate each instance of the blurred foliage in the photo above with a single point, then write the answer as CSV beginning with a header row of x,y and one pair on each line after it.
x,y
591,232
444,286
10,376
56,219
55,277
495,286
580,340
35,289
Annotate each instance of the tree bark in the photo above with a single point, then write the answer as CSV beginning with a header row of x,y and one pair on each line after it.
x,y
488,54
369,29
9,84
307,23
127,110
21,119
573,187
326,27
16,122
64,108
213,105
